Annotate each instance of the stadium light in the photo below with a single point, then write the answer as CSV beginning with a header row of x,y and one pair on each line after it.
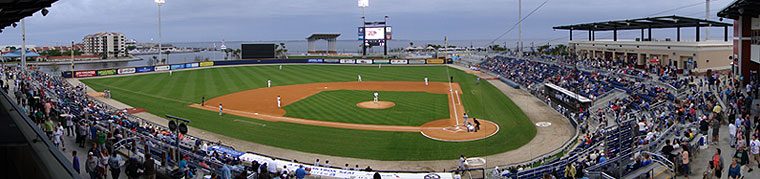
x,y
160,2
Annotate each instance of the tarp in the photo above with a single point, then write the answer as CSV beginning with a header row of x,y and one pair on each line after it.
x,y
225,150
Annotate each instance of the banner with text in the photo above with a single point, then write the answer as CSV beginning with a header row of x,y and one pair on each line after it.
x,y
351,61
381,61
435,61
106,72
162,68
191,65
332,61
84,73
363,61
398,61
416,61
315,61
127,70
178,66
205,64
144,69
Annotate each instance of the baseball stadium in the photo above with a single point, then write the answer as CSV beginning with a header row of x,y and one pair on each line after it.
x,y
373,107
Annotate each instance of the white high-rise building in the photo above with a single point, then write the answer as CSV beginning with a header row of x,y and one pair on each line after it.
x,y
111,44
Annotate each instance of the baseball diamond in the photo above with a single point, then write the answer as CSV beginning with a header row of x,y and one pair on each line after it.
x,y
243,91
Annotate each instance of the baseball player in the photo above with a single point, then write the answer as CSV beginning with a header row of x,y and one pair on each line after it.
x,y
477,124
478,80
426,81
466,117
379,66
280,67
279,103
360,78
375,101
203,100
220,109
269,83
170,72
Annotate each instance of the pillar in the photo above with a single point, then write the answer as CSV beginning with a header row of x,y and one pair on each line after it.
x,y
697,34
331,47
725,33
650,33
678,34
642,34
589,35
311,46
614,34
571,34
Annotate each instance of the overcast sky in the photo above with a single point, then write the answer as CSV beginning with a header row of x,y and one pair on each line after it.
x,y
249,20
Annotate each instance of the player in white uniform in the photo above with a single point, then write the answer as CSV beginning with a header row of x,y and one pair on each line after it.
x,y
170,72
360,78
279,103
426,81
375,101
220,109
269,83
280,67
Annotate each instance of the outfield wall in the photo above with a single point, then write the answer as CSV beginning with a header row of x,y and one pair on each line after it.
x,y
165,67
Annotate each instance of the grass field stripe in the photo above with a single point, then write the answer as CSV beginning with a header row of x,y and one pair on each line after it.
x,y
144,94
250,122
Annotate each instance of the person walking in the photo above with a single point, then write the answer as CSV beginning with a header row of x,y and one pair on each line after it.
x,y
734,171
149,167
91,165
75,160
114,163
685,162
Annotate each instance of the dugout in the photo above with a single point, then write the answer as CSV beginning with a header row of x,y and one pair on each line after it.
x,y
567,99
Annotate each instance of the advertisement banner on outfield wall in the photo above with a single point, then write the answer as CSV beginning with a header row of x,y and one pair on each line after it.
x,y
363,61
381,61
178,66
67,74
435,61
191,65
144,69
332,61
84,73
127,70
106,72
347,61
339,173
416,61
398,61
205,64
162,68
315,61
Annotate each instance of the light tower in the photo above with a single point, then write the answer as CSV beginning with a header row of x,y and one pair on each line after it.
x,y
159,2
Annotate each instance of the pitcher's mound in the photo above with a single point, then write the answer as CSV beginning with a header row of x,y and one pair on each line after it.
x,y
378,105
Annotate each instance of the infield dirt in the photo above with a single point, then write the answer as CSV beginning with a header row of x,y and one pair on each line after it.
x,y
261,104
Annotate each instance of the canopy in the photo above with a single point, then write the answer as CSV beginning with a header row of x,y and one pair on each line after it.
x,y
17,53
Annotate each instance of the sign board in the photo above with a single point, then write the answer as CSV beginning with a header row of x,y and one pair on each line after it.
x,y
144,69
178,66
416,61
84,73
106,72
347,61
435,61
332,61
191,65
127,70
362,3
315,61
381,61
205,64
162,68
398,61
364,61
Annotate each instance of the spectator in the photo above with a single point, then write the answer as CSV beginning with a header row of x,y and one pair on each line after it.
x,y
75,160
149,167
91,166
226,171
114,162
132,169
734,171
301,173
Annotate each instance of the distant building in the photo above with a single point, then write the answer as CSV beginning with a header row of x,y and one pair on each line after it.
x,y
111,44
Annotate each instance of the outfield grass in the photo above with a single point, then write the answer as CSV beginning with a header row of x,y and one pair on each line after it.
x,y
412,108
162,94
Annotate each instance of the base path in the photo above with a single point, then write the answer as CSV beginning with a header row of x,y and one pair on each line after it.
x,y
451,129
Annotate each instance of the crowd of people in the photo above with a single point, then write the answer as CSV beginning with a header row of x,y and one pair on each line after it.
x,y
667,123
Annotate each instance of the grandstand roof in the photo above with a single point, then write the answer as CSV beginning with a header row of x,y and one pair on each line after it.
x,y
12,11
644,23
323,36
741,8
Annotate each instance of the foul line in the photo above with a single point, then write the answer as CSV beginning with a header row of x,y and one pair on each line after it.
x,y
250,122
451,91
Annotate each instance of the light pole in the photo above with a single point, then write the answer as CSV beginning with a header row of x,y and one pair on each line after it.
x,y
23,45
159,2
363,4
72,55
